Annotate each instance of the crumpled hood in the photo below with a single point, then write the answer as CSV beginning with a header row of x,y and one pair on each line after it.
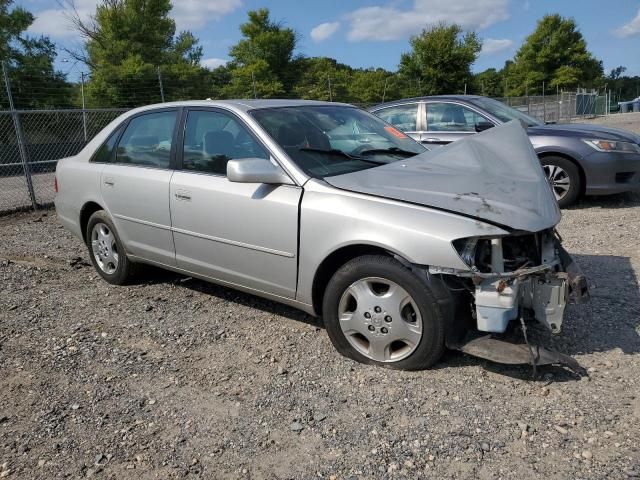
x,y
584,130
494,176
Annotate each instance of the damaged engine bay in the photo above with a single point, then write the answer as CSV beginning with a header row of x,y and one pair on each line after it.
x,y
517,277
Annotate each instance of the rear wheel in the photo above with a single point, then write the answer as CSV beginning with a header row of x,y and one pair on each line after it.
x,y
377,311
564,177
106,250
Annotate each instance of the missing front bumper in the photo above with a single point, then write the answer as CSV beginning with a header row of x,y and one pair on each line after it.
x,y
501,351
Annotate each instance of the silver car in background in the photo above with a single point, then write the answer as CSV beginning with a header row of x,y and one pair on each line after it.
x,y
325,207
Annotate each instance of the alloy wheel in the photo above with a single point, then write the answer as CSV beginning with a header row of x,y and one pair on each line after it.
x,y
104,248
380,319
558,179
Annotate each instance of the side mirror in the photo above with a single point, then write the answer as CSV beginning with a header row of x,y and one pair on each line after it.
x,y
255,170
482,126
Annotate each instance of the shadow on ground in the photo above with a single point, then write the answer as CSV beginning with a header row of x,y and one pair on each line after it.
x,y
610,321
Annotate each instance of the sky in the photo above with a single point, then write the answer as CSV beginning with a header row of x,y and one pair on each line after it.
x,y
374,33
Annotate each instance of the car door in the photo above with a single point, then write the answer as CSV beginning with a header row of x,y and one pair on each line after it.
x,y
135,185
447,122
405,117
242,233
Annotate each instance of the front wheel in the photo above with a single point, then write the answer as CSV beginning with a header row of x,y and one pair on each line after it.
x,y
377,311
564,178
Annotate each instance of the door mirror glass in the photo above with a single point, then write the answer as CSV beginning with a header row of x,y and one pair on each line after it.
x,y
256,170
482,126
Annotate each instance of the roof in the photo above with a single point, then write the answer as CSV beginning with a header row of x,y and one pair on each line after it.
x,y
243,104
432,97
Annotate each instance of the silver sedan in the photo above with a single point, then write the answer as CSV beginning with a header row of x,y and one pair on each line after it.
x,y
329,209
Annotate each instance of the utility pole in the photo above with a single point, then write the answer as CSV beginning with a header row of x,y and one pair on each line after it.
x,y
329,83
384,90
84,112
160,83
253,80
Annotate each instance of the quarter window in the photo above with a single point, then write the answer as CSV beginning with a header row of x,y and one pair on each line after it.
x,y
451,117
403,117
213,138
105,152
147,140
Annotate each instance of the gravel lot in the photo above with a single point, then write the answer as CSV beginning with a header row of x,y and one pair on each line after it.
x,y
173,377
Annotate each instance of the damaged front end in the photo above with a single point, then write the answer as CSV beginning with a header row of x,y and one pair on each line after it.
x,y
516,277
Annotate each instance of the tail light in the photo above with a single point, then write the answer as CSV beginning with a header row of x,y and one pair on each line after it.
x,y
55,184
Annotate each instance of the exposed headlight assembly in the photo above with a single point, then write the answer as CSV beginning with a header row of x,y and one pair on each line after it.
x,y
612,146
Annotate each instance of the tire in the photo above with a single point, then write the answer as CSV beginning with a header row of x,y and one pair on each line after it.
x,y
561,171
116,269
415,327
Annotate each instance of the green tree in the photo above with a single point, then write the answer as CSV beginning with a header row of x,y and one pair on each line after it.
x,y
555,53
34,81
489,83
127,42
440,59
263,60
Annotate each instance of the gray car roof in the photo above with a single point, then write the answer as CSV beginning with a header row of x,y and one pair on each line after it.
x,y
432,97
243,104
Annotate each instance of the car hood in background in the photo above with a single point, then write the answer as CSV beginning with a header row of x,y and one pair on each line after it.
x,y
494,176
583,130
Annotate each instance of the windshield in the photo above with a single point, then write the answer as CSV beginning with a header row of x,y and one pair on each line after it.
x,y
329,140
504,112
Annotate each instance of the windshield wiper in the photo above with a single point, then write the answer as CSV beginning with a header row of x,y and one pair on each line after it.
x,y
394,150
335,151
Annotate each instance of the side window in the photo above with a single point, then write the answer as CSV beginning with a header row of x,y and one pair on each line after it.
x,y
147,140
451,117
212,138
105,153
404,117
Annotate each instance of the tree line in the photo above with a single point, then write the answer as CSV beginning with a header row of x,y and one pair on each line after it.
x,y
133,56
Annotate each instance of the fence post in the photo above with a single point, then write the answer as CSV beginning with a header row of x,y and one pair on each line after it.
x,y
20,140
84,112
160,83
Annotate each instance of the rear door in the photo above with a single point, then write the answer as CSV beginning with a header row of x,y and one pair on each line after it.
x,y
135,185
242,233
447,122
405,117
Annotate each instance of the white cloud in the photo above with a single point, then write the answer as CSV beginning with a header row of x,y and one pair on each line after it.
x,y
390,23
212,63
629,29
195,14
324,30
494,45
56,22
188,14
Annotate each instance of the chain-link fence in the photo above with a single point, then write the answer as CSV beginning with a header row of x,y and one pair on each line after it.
x,y
31,143
42,122
564,107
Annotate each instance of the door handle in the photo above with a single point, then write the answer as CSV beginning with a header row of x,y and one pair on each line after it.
x,y
431,140
109,182
183,195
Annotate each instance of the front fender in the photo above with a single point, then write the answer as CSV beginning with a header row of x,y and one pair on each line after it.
x,y
331,219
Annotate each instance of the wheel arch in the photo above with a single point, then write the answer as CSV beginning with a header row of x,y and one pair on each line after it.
x,y
338,258
88,209
552,153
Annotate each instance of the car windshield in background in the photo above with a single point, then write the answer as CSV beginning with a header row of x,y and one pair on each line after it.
x,y
328,140
504,112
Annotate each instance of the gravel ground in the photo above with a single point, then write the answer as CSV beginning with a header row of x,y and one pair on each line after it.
x,y
626,121
174,377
